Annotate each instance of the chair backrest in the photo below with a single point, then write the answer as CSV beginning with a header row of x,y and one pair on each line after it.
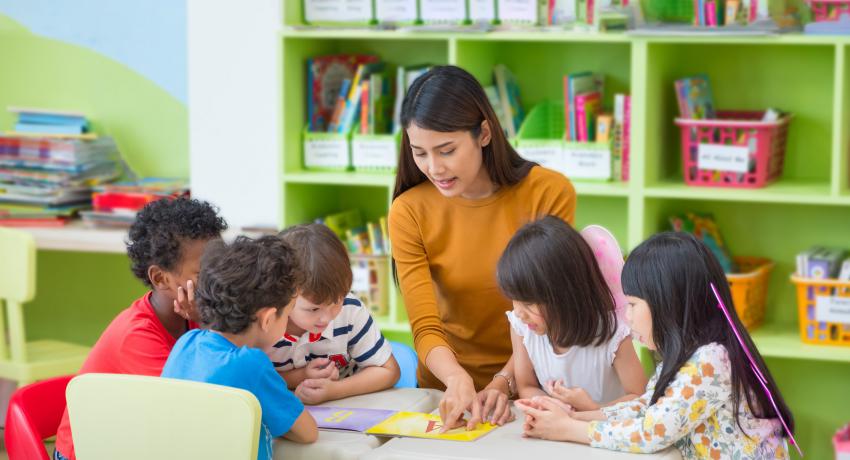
x,y
17,265
407,362
17,286
34,414
140,417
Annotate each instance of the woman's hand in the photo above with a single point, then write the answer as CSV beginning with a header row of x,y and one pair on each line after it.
x,y
494,403
459,396
576,397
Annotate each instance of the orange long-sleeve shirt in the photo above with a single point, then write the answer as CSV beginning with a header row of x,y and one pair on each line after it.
x,y
446,250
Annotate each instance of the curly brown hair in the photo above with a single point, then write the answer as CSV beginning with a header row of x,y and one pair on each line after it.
x,y
240,278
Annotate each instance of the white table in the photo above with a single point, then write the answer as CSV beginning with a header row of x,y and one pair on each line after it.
x,y
504,443
340,445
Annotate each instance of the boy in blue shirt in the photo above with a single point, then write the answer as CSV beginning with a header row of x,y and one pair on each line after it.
x,y
245,293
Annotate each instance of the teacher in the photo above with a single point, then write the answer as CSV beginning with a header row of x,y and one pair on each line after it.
x,y
461,192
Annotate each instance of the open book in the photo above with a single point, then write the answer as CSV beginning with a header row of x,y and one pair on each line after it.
x,y
392,423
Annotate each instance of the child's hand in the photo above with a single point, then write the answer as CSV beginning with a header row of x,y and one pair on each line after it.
x,y
314,391
576,397
184,305
322,368
544,419
567,408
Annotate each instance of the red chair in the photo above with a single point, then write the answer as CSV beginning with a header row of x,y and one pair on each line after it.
x,y
33,416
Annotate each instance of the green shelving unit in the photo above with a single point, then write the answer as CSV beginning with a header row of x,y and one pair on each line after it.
x,y
807,76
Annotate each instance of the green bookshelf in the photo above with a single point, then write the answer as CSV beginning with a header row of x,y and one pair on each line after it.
x,y
808,76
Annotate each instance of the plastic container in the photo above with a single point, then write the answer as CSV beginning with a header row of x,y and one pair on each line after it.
x,y
841,442
375,152
823,308
828,10
736,150
749,289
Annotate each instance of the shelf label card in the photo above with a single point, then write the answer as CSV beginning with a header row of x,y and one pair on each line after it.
x,y
832,309
719,157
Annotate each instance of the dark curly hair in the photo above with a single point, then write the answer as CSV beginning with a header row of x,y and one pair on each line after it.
x,y
160,227
239,278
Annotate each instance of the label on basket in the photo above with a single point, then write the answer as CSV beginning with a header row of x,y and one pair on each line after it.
x,y
548,156
518,11
719,157
326,153
360,278
338,10
376,153
587,163
442,10
832,309
395,10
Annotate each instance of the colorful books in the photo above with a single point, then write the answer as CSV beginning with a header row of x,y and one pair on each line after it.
x,y
421,425
405,76
694,97
347,419
574,84
509,98
325,75
587,107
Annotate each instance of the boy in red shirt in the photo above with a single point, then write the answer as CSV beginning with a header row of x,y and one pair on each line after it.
x,y
165,246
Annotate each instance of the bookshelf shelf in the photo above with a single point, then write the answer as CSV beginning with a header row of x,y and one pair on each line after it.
x,y
790,192
340,178
783,341
808,76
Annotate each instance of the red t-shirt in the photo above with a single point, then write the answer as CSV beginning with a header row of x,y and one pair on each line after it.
x,y
136,343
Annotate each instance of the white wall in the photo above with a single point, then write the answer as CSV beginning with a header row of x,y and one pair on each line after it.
x,y
234,97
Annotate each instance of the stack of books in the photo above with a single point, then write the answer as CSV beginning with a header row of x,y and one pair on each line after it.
x,y
116,205
44,181
47,123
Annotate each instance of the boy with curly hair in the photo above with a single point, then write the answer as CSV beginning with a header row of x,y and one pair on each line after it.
x,y
245,293
165,244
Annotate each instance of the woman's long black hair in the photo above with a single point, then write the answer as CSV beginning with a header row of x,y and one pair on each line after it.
x,y
672,272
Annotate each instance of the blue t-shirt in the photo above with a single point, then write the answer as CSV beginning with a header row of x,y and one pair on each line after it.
x,y
206,356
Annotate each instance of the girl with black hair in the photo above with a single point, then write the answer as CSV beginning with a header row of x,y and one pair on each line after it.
x,y
461,192
566,339
712,395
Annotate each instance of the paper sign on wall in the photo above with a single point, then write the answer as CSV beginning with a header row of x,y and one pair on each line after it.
x,y
832,309
719,157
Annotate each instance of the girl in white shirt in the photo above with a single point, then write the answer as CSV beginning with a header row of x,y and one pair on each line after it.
x,y
567,342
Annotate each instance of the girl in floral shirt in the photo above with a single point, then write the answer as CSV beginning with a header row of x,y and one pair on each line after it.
x,y
704,398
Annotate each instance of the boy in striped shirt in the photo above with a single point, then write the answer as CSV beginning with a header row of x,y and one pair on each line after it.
x,y
332,348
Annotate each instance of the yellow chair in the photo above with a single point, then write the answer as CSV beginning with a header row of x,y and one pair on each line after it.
x,y
22,361
138,417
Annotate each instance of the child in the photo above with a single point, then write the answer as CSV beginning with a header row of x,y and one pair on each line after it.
x,y
165,244
565,334
704,397
245,293
329,336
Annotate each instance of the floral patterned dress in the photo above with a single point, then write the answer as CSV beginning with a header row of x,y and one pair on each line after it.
x,y
695,414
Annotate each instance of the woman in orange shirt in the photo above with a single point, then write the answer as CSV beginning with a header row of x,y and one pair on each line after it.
x,y
461,192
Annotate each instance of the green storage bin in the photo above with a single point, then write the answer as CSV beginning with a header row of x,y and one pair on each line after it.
x,y
326,151
541,135
338,12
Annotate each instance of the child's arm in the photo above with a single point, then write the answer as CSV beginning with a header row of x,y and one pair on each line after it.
x,y
304,429
526,380
319,368
629,370
367,380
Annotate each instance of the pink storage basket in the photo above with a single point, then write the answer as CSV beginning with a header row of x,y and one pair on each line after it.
x,y
829,10
841,442
753,150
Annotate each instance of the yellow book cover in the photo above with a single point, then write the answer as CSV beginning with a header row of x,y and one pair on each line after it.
x,y
421,425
